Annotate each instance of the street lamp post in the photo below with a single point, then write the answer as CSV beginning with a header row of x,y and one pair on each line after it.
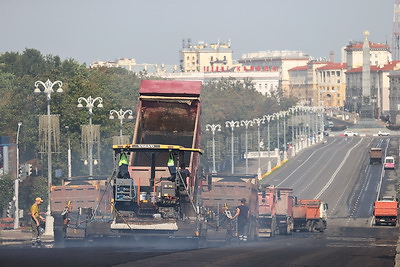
x,y
121,116
277,115
246,123
259,121
90,105
232,124
213,128
16,183
69,153
284,114
269,118
48,89
322,123
293,110
298,129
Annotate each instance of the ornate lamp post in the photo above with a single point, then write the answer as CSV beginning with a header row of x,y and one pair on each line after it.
x,y
284,114
246,123
121,116
16,184
277,115
259,121
293,110
322,123
309,124
213,128
232,124
48,89
69,153
90,105
269,118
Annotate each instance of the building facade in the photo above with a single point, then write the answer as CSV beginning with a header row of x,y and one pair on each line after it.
x,y
282,61
353,54
380,88
331,85
201,57
265,82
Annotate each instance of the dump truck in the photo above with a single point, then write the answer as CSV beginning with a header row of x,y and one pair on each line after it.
x,y
310,215
386,211
78,205
375,155
158,199
275,211
220,195
267,199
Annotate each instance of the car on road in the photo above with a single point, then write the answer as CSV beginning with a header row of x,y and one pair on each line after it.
x,y
389,163
383,133
350,133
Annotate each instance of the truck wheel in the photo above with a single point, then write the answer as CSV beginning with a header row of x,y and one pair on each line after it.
x,y
283,230
311,227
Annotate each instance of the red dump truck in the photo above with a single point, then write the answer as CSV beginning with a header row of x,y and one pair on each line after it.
x,y
310,215
275,211
375,155
158,199
386,211
220,195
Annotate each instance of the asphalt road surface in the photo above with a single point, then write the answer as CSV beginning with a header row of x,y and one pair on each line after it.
x,y
337,172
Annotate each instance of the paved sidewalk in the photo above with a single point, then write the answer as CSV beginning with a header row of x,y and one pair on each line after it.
x,y
20,236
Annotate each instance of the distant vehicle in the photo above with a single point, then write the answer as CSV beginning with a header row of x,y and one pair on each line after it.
x,y
330,124
375,155
383,133
350,133
389,163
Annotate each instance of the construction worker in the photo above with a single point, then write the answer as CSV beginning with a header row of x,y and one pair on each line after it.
x,y
123,167
35,215
243,215
184,174
171,166
65,213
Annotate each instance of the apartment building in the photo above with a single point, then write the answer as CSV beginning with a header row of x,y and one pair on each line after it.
x,y
317,83
282,61
202,57
331,85
352,54
394,97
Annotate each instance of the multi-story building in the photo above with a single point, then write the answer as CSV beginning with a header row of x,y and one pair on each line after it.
x,y
318,83
265,81
282,61
394,97
202,57
331,85
380,87
353,54
131,65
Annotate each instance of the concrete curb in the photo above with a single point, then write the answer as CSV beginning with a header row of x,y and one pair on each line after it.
x,y
397,259
19,237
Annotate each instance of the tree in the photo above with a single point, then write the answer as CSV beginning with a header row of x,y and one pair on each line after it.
x,y
6,187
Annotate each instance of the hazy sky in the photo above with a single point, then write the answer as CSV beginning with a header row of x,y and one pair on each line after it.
x,y
151,31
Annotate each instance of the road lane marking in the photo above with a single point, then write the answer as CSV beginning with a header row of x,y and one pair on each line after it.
x,y
304,162
337,171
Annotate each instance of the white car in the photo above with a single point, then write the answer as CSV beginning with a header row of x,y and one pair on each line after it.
x,y
383,133
350,133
